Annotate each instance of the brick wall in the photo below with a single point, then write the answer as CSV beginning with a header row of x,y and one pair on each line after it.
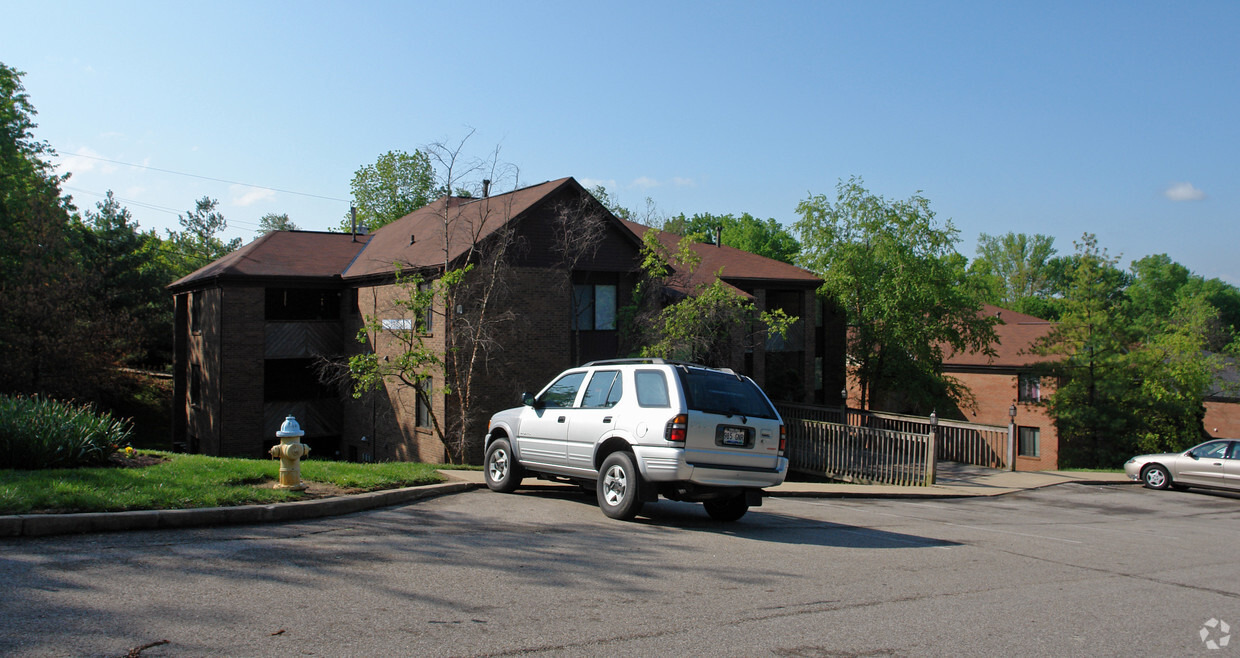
x,y
243,336
1222,419
995,393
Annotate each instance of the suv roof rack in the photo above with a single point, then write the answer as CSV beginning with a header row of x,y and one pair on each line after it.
x,y
653,361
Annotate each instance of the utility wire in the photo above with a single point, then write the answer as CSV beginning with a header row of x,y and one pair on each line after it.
x,y
218,180
151,206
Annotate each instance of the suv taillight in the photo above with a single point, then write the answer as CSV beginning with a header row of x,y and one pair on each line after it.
x,y
783,439
677,428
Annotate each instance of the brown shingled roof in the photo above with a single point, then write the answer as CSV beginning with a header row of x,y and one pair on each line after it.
x,y
417,239
735,266
281,254
1017,333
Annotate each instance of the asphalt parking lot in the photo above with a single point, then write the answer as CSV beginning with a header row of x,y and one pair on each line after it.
x,y
1068,570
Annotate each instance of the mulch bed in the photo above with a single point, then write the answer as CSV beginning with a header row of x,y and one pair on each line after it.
x,y
119,460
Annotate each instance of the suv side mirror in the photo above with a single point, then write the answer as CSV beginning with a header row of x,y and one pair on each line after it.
x,y
527,399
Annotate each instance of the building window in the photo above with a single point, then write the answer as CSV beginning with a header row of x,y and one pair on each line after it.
x,y
302,304
428,318
1029,388
195,312
422,417
1029,442
594,307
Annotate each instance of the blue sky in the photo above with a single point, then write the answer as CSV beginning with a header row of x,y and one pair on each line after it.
x,y
1119,119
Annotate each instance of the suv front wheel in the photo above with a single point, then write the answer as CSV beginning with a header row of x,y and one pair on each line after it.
x,y
619,487
503,472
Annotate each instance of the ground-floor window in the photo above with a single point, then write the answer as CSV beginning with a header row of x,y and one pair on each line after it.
x,y
1029,442
594,307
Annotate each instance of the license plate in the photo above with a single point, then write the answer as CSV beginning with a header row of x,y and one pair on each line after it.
x,y
734,436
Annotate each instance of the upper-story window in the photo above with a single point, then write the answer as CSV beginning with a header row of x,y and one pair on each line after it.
x,y
1029,388
195,311
594,307
302,304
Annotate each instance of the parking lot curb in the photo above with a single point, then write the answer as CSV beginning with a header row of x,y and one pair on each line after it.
x,y
39,525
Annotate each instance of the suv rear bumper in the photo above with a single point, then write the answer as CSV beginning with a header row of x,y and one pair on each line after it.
x,y
669,465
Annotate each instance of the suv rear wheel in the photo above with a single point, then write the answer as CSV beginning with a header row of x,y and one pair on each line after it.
x,y
619,487
503,472
727,509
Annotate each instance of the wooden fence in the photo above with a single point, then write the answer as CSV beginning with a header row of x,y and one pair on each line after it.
x,y
882,448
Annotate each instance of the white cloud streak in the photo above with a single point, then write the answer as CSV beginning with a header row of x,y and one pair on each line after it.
x,y
1184,192
248,196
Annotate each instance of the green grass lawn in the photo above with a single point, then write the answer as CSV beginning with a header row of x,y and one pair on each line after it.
x,y
186,481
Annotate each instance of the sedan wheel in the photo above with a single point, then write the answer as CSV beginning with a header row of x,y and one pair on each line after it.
x,y
1156,477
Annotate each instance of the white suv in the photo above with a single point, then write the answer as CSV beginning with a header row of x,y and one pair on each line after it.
x,y
635,429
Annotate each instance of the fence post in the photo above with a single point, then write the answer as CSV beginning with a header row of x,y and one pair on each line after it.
x,y
932,458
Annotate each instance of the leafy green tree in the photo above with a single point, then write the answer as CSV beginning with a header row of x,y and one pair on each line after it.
x,y
467,300
275,222
1020,262
50,339
894,270
746,232
704,323
610,203
1132,361
1091,341
417,359
1158,283
198,243
127,275
397,184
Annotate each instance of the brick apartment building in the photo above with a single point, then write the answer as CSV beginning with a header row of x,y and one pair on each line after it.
x,y
252,327
1007,381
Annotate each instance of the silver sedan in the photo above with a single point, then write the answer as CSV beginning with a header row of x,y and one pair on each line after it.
x,y
1213,464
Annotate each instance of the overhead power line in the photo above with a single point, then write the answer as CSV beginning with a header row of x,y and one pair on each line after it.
x,y
151,206
217,180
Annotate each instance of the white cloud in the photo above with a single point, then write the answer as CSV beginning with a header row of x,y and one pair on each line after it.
x,y
244,195
683,182
1184,192
82,161
645,182
591,183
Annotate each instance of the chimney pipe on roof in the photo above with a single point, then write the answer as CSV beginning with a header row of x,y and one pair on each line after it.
x,y
718,236
486,187
353,214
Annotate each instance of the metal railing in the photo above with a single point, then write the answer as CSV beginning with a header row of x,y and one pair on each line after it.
x,y
883,448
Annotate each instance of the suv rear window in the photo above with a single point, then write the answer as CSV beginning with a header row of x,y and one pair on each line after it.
x,y
716,392
651,388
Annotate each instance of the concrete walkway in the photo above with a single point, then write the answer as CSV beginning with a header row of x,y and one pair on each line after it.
x,y
954,481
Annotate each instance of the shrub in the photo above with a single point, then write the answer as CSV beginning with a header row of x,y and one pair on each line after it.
x,y
43,433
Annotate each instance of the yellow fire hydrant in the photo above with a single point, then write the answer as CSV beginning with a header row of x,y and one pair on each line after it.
x,y
290,451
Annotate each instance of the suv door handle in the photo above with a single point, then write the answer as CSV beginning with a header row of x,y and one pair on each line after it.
x,y
560,419
607,419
